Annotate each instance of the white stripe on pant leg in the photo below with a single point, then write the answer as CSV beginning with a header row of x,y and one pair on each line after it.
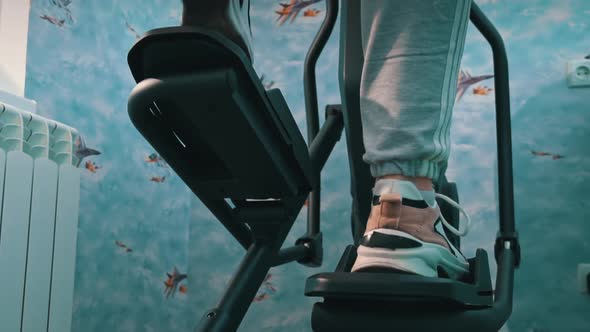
x,y
440,137
454,78
385,41
446,83
459,24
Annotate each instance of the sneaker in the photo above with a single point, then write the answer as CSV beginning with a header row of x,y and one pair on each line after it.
x,y
405,234
230,17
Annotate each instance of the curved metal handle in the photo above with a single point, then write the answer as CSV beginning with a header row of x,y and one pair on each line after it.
x,y
311,106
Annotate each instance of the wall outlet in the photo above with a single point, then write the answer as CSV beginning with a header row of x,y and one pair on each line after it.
x,y
583,273
578,73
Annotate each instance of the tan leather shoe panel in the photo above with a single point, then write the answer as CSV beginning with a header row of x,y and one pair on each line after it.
x,y
391,214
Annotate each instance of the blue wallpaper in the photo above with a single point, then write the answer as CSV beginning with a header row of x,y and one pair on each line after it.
x,y
139,223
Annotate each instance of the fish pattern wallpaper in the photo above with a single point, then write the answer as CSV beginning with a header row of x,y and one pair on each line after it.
x,y
151,257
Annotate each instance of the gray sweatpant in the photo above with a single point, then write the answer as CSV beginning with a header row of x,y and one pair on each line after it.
x,y
413,50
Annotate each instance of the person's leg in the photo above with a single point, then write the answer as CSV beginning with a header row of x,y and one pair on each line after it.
x,y
230,17
412,55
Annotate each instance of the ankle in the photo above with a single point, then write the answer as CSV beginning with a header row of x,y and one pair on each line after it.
x,y
199,13
421,182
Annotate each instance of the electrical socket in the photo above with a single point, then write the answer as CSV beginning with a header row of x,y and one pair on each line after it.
x,y
578,73
583,273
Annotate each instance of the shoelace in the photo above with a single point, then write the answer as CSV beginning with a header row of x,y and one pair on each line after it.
x,y
449,226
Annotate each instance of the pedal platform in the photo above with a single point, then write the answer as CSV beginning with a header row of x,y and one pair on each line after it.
x,y
201,105
474,291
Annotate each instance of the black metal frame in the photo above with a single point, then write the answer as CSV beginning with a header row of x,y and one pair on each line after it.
x,y
308,249
340,309
268,225
263,240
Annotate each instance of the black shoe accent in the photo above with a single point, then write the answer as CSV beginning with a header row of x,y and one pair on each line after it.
x,y
415,203
388,241
213,15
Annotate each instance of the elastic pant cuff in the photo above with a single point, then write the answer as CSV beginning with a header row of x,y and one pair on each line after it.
x,y
414,168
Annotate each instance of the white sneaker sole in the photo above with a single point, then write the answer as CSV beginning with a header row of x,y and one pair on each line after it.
x,y
423,260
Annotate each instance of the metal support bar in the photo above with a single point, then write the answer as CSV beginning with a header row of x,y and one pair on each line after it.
x,y
503,130
319,151
232,308
503,293
291,254
324,142
309,81
507,248
246,281
311,104
349,73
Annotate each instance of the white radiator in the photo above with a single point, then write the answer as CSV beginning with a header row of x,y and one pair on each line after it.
x,y
39,195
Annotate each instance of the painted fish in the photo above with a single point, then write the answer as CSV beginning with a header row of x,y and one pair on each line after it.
x,y
261,297
91,166
482,90
311,12
292,9
466,80
171,284
82,151
158,179
53,20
